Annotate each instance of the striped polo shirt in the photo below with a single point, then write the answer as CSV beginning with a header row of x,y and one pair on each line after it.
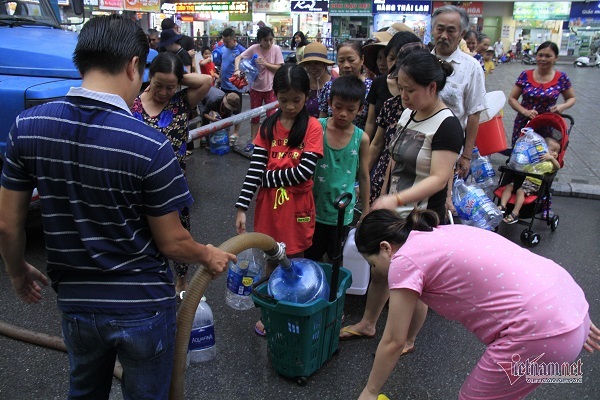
x,y
99,172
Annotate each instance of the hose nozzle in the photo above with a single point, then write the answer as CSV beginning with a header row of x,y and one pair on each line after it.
x,y
278,255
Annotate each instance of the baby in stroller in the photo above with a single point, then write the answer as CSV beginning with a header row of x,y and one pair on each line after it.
x,y
531,185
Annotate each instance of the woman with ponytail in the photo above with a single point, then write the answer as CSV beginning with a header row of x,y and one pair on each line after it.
x,y
423,152
282,167
499,294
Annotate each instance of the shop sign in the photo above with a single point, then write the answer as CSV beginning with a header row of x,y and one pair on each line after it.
x,y
542,11
169,8
473,8
585,10
90,3
111,4
280,6
142,5
309,6
213,6
401,7
63,2
354,7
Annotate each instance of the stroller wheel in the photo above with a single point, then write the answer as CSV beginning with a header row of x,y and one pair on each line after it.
x,y
554,223
302,380
525,236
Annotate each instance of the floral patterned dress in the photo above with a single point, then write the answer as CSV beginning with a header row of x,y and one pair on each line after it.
x,y
538,96
361,118
173,123
387,119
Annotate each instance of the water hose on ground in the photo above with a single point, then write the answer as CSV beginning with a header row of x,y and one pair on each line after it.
x,y
196,288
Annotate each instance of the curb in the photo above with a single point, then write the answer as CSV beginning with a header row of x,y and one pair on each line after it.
x,y
578,190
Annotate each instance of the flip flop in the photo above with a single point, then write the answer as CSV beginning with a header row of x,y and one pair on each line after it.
x,y
249,148
511,218
260,332
353,334
232,140
405,352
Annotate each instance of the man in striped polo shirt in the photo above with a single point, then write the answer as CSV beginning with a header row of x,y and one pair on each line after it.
x,y
110,190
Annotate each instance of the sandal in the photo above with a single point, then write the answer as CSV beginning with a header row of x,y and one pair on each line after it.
x,y
512,218
502,209
249,148
259,328
232,140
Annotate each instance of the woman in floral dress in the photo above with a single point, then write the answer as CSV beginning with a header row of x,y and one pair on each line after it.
x,y
165,106
540,88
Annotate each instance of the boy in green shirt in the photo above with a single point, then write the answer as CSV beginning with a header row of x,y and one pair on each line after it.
x,y
345,159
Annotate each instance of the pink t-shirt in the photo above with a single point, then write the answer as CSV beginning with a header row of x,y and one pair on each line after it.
x,y
264,82
492,286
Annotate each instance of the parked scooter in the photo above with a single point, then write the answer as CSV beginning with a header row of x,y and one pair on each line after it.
x,y
594,61
528,59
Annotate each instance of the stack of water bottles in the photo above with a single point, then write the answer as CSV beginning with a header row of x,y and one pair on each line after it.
x,y
474,207
202,345
241,276
528,149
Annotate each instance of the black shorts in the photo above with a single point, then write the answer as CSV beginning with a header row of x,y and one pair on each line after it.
x,y
324,242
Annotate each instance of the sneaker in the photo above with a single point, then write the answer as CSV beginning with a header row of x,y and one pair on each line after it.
x,y
249,148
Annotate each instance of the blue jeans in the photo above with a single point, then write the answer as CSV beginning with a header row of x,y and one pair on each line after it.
x,y
144,344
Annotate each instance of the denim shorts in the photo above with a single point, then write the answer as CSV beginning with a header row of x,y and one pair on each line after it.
x,y
144,344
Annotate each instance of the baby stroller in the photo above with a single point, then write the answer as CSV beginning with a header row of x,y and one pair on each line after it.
x,y
546,125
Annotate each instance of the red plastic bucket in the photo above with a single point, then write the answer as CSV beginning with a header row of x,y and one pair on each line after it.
x,y
490,137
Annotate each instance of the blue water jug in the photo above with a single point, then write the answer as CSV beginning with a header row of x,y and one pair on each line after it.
x,y
304,281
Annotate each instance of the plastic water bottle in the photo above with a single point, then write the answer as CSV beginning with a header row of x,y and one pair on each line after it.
x,y
474,206
241,276
302,282
482,170
218,142
202,339
250,69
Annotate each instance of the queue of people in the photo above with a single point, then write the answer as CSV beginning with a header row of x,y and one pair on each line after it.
x,y
402,136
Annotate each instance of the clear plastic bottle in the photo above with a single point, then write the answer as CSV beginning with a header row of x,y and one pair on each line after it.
x,y
241,276
202,345
528,149
474,207
482,170
250,69
302,282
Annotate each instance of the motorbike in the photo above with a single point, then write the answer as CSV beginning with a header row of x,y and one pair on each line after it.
x,y
594,61
528,59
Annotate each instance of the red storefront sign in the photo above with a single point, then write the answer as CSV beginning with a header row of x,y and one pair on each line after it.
x,y
473,8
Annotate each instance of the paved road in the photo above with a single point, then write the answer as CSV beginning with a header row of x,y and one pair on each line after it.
x,y
445,350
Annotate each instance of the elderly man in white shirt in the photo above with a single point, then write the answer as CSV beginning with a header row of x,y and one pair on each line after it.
x,y
465,88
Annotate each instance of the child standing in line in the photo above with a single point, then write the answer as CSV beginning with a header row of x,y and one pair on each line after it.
x,y
207,66
345,158
530,185
282,165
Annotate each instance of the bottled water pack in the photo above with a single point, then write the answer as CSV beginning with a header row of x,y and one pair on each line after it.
x,y
474,207
528,149
241,276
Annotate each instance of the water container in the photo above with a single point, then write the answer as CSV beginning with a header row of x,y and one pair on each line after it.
x,y
250,69
202,339
241,276
356,263
474,207
218,142
482,170
304,281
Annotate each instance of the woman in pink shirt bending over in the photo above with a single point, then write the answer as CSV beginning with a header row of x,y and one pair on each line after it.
x,y
517,303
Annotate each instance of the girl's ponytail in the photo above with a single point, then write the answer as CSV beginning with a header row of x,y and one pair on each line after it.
x,y
387,225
